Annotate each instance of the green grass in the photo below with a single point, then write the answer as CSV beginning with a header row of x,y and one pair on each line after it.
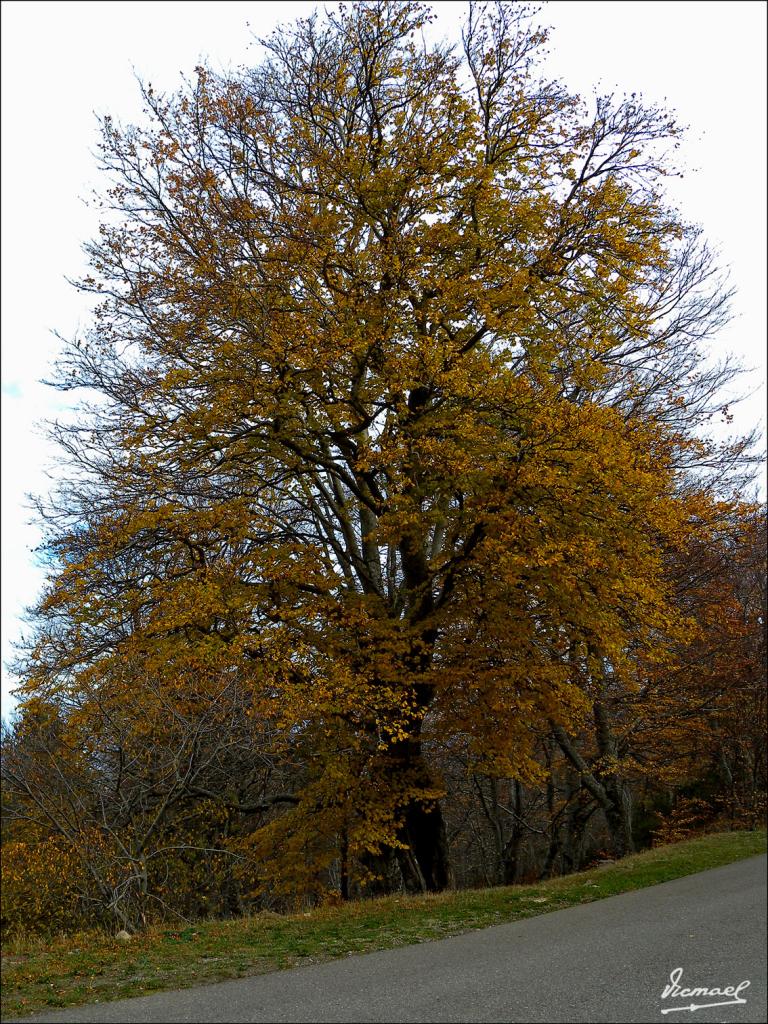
x,y
88,967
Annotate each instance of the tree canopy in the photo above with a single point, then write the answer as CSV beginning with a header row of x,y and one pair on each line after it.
x,y
395,443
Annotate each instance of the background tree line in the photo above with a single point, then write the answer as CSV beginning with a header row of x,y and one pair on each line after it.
x,y
392,549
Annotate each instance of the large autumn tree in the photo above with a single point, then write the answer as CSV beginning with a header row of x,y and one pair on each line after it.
x,y
398,381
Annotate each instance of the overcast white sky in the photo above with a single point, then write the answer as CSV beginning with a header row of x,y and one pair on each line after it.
x,y
61,61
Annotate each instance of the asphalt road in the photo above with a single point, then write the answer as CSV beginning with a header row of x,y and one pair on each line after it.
x,y
604,961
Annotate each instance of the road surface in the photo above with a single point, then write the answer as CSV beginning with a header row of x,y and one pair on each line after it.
x,y
604,961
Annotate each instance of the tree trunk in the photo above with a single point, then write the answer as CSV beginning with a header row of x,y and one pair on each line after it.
x,y
573,824
618,815
618,809
424,862
344,864
612,795
424,831
554,827
511,852
423,859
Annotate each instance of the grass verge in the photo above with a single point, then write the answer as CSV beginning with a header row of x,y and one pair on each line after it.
x,y
91,967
